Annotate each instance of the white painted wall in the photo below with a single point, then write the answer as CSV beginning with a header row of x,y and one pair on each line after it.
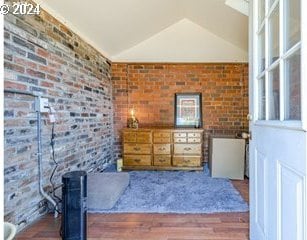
x,y
184,41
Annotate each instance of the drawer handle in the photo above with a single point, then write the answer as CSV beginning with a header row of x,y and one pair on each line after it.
x,y
186,160
137,160
136,149
161,160
162,149
187,149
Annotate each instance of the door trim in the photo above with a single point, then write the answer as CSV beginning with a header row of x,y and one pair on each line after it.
x,y
301,205
304,63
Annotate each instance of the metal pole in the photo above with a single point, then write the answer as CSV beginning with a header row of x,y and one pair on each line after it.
x,y
40,167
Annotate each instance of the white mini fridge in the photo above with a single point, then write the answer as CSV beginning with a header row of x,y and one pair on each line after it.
x,y
227,157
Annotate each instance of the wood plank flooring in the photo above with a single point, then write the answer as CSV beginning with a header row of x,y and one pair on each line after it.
x,y
221,226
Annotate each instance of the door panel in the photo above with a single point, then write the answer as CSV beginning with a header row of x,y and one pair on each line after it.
x,y
291,204
278,183
260,183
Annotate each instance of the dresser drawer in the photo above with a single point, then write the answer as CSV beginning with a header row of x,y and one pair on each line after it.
x,y
180,135
162,148
162,137
194,135
194,140
137,160
180,140
187,149
143,137
129,136
186,161
162,134
162,140
162,160
130,148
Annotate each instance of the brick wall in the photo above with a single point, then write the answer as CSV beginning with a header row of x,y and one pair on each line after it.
x,y
42,55
150,89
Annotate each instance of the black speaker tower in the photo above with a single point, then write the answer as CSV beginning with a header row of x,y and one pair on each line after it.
x,y
74,212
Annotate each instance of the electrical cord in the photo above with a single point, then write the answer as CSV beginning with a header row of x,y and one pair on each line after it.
x,y
52,143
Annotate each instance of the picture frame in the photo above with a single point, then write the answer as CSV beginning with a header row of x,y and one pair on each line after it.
x,y
188,110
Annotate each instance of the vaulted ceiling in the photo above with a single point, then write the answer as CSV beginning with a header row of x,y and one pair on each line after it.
x,y
154,30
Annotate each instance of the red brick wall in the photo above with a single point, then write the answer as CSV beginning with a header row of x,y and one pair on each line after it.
x,y
150,89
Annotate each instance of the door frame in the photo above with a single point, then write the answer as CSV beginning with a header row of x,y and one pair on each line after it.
x,y
304,63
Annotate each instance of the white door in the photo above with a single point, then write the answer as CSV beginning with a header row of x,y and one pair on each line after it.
x,y
278,107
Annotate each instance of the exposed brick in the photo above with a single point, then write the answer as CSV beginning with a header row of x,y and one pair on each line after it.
x,y
69,45
37,60
27,80
8,113
151,89
46,84
14,85
22,149
88,88
57,31
25,62
14,67
23,43
37,74
26,27
6,35
8,57
66,30
9,170
42,53
38,89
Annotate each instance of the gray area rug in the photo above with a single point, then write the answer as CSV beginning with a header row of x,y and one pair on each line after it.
x,y
104,189
177,192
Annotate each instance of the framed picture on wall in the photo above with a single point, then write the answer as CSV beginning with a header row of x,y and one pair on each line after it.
x,y
188,110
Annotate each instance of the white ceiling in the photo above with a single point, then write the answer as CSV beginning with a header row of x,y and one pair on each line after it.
x,y
184,41
115,27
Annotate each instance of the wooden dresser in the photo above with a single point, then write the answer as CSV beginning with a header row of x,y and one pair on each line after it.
x,y
162,149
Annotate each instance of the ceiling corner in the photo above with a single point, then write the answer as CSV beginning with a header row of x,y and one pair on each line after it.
x,y
72,27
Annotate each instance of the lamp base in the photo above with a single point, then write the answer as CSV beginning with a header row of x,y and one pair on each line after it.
x,y
133,123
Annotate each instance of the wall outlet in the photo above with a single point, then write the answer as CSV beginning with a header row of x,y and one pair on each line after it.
x,y
41,105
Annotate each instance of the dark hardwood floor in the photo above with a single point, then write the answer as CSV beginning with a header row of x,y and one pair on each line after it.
x,y
221,226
